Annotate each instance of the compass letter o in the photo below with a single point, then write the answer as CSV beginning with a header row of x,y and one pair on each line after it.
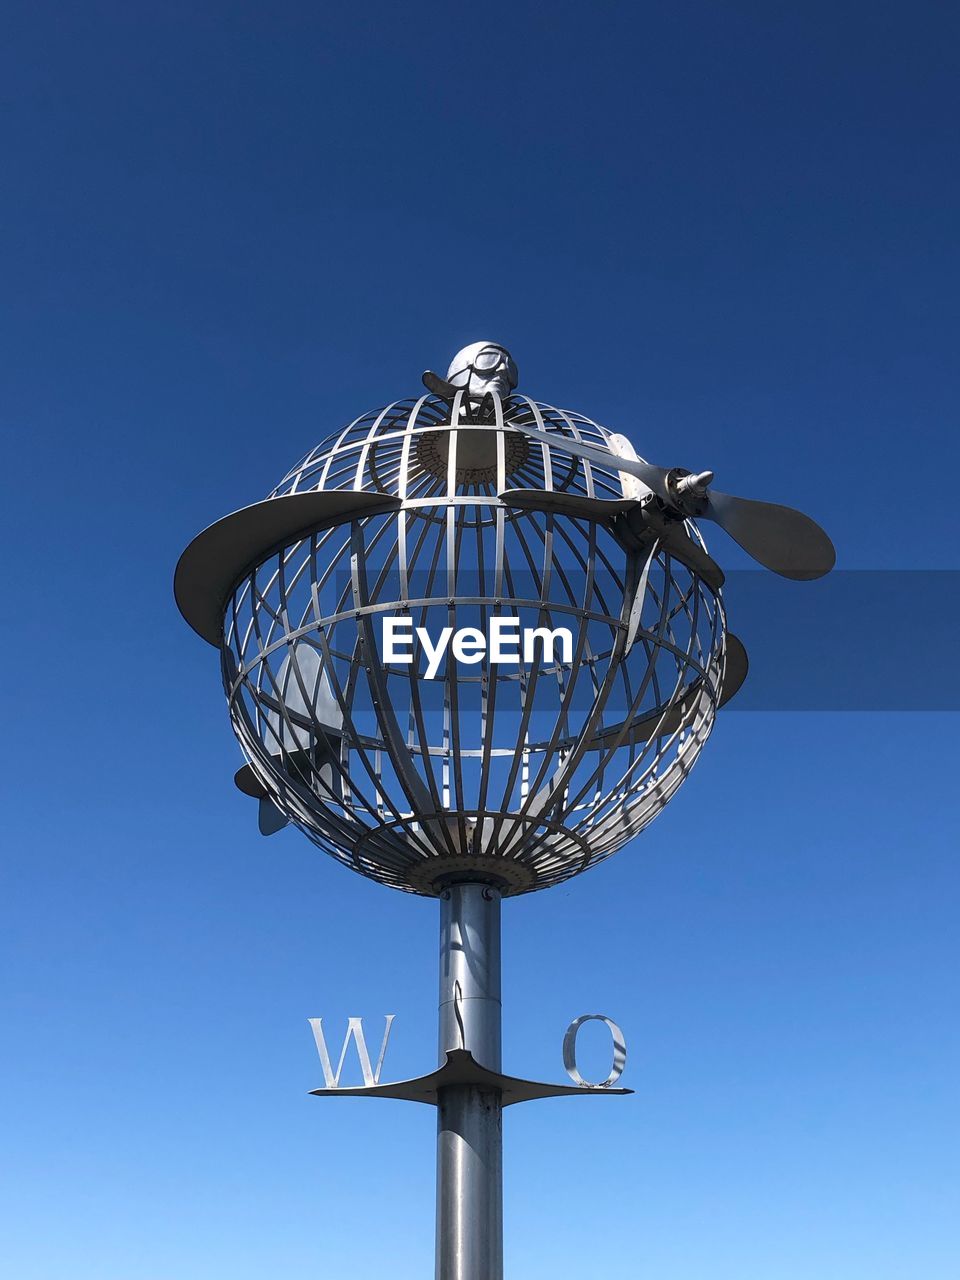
x,y
570,1052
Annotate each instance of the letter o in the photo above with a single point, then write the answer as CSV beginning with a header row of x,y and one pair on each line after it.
x,y
570,1051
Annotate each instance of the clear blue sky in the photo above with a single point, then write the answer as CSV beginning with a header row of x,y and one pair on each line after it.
x,y
729,231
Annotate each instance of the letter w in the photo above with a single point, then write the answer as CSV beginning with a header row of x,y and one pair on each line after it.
x,y
354,1032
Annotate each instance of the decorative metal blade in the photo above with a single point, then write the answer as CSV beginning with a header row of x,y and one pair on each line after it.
x,y
270,820
246,780
735,668
217,559
779,538
298,765
675,539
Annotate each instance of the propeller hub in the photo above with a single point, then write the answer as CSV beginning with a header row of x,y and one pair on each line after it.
x,y
688,489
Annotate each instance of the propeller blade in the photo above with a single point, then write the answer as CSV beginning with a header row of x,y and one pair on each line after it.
x,y
735,668
218,558
247,781
672,534
271,820
575,505
438,386
779,538
675,539
654,478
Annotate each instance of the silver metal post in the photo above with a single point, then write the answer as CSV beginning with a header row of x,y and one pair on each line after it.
x,y
469,1133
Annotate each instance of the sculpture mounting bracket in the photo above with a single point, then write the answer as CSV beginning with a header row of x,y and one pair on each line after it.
x,y
461,1068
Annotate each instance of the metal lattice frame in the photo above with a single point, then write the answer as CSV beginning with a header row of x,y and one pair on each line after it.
x,y
524,774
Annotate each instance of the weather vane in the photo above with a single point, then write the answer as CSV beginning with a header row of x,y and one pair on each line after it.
x,y
471,645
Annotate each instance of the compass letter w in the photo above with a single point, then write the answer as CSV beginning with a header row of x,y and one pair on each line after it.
x,y
354,1032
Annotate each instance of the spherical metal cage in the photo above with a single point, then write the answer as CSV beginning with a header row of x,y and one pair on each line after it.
x,y
526,771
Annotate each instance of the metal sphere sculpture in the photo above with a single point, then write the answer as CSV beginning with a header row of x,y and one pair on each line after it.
x,y
472,635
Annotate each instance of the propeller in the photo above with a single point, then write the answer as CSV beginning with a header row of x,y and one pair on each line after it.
x,y
779,538
618,515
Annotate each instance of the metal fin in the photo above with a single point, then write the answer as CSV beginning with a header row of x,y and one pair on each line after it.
x,y
270,819
217,558
735,668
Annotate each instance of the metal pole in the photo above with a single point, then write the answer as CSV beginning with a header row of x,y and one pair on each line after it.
x,y
469,1133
